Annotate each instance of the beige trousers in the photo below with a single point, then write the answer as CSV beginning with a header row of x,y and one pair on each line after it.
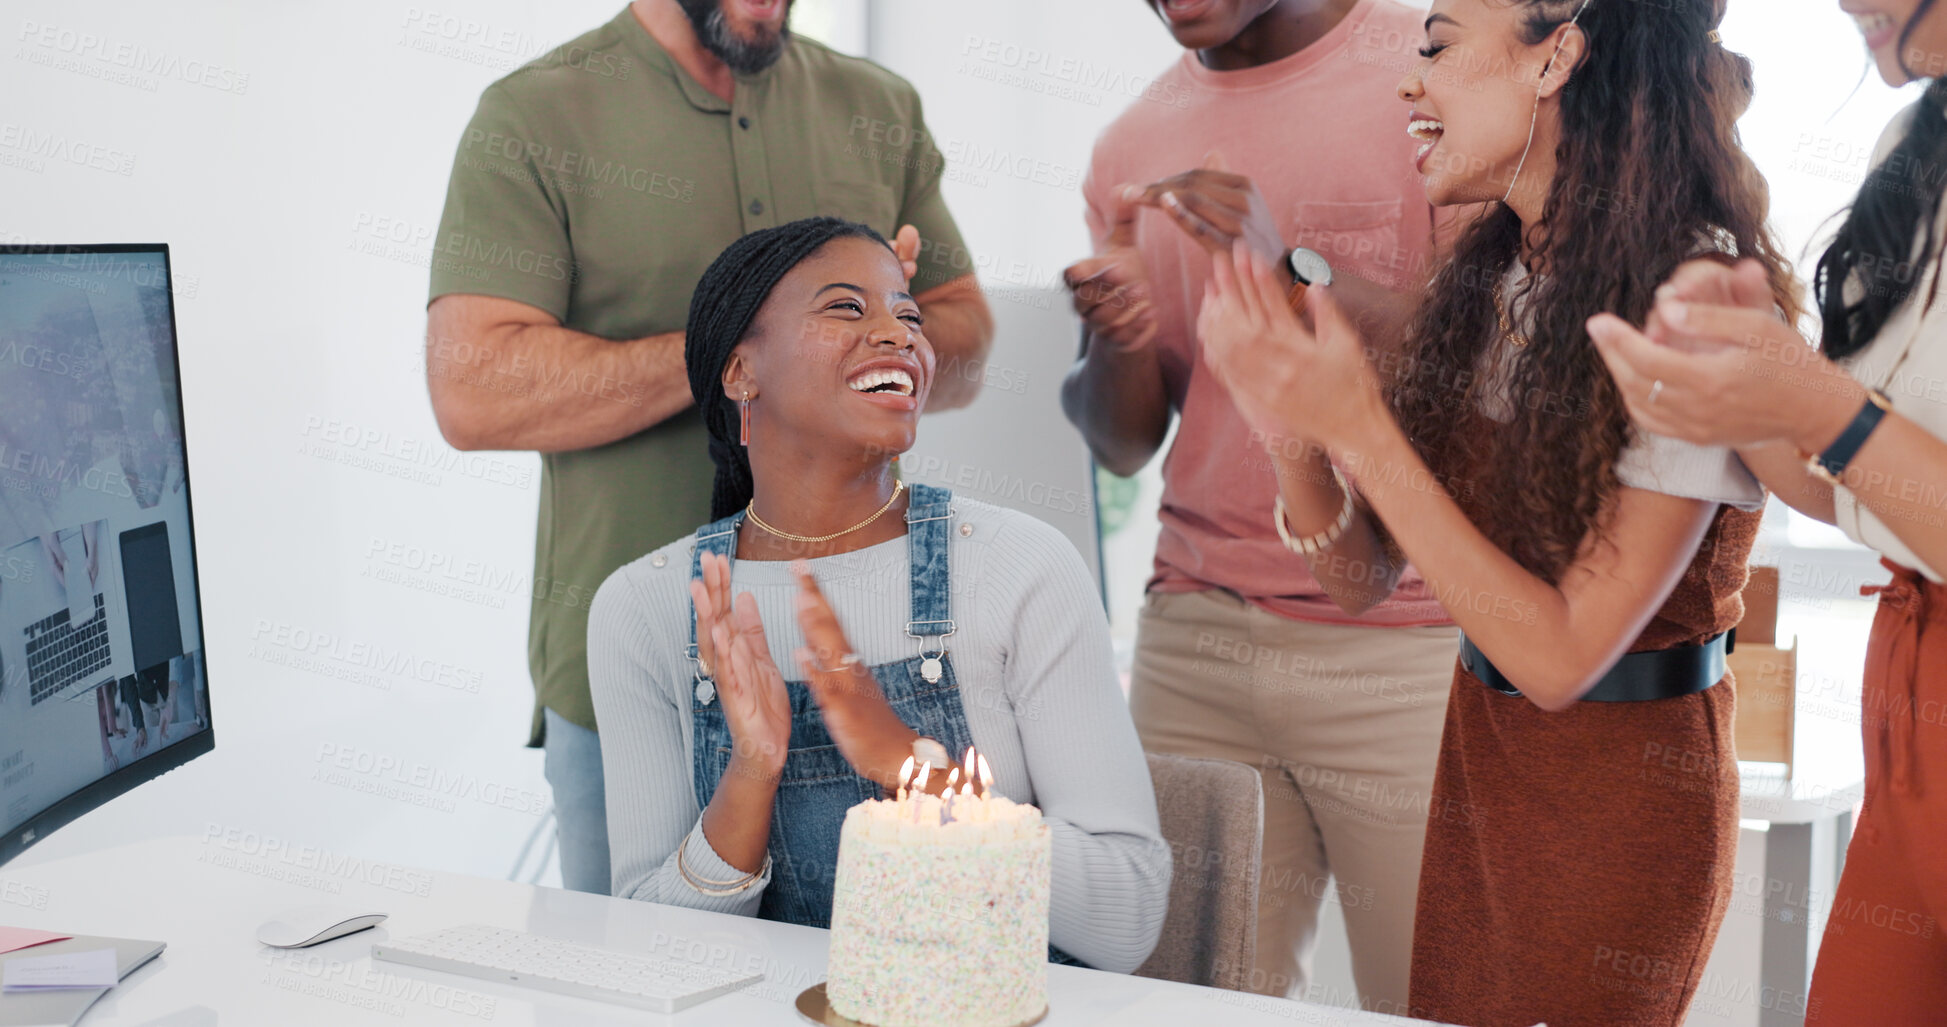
x,y
1343,723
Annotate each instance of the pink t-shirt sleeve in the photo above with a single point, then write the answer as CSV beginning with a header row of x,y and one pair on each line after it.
x,y
1095,195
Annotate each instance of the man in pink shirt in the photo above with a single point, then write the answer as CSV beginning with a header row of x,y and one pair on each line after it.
x,y
1283,129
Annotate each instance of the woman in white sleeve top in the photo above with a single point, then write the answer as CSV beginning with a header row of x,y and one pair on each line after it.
x,y
1853,433
922,624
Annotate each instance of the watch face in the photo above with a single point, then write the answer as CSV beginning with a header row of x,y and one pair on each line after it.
x,y
1310,267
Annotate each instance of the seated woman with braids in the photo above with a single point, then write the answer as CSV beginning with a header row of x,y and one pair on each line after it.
x,y
917,622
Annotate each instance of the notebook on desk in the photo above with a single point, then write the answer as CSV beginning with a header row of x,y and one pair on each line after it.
x,y
63,1008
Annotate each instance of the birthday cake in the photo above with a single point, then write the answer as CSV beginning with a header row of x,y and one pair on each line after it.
x,y
940,913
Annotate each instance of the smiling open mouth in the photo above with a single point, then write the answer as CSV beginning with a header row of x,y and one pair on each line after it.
x,y
1428,131
1874,22
889,381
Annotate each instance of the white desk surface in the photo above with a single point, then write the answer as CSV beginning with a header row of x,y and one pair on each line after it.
x,y
1765,793
206,897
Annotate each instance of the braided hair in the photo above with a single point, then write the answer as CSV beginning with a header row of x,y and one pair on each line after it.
x,y
1873,250
722,308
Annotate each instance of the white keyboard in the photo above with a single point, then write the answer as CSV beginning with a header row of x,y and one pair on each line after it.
x,y
659,984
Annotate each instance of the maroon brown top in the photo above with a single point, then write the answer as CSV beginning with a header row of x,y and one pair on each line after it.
x,y
1710,597
1577,864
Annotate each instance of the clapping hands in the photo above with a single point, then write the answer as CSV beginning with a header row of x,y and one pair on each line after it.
x,y
756,701
731,646
1287,379
1716,365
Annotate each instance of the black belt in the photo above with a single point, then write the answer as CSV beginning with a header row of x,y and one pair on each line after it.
x,y
1637,677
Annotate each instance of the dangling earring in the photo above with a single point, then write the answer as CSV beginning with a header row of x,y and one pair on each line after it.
x,y
743,413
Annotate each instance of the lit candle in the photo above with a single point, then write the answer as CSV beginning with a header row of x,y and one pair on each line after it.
x,y
986,790
905,775
919,786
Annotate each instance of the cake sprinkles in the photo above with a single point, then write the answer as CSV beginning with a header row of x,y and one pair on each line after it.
x,y
940,909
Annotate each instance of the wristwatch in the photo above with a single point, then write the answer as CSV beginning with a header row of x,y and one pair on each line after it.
x,y
1832,463
1308,268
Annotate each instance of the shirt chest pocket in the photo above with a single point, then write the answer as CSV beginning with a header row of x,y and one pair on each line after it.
x,y
869,203
1361,236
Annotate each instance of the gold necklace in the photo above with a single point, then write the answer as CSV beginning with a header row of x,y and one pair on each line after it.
x,y
1501,312
750,510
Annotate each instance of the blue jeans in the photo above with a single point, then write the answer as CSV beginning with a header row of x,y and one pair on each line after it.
x,y
574,771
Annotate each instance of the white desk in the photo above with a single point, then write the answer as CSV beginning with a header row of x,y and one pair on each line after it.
x,y
205,898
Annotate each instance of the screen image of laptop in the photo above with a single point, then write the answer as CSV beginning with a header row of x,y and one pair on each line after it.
x,y
57,617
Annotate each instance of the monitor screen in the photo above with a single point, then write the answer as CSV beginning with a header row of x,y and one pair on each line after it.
x,y
102,677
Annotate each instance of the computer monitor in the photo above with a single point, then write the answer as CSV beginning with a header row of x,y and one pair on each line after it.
x,y
103,683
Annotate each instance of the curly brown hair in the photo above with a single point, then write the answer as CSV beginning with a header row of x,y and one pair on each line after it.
x,y
1649,170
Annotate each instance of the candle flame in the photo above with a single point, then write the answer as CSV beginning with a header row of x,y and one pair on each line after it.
x,y
968,763
925,774
953,779
986,776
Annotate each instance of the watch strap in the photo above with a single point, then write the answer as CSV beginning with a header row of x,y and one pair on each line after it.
x,y
1294,297
1839,455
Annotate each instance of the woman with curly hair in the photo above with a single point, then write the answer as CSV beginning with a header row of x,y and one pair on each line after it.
x,y
1573,873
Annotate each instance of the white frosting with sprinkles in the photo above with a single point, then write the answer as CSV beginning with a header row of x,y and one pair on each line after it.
x,y
940,923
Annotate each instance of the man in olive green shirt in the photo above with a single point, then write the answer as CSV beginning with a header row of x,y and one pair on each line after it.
x,y
590,190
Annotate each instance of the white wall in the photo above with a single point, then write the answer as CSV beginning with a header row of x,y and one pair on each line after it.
x,y
300,203
296,158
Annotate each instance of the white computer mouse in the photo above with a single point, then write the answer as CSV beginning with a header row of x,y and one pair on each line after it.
x,y
313,925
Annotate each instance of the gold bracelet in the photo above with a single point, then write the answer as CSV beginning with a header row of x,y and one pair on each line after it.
x,y
717,888
1315,544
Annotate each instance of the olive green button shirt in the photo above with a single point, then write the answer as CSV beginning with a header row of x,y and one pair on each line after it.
x,y
596,183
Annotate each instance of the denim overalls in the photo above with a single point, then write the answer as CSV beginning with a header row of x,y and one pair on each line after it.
x,y
818,785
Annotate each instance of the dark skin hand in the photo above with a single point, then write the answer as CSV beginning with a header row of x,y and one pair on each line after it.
x,y
1114,394
1218,208
757,707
